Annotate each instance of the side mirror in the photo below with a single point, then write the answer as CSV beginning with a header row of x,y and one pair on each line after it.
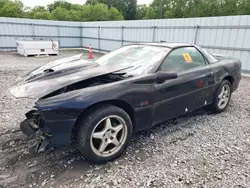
x,y
164,75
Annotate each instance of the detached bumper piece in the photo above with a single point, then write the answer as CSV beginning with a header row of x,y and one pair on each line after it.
x,y
30,126
44,141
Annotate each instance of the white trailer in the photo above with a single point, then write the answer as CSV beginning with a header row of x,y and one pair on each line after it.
x,y
39,47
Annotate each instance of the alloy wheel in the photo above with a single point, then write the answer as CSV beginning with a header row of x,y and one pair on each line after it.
x,y
224,96
108,136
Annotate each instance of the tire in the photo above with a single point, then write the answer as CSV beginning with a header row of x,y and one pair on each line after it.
x,y
215,106
102,127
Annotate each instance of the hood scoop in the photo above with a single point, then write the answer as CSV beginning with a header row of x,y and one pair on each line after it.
x,y
48,71
39,75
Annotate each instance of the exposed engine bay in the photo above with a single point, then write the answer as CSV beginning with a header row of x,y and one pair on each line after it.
x,y
99,80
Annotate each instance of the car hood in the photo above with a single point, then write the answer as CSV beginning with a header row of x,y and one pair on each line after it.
x,y
56,65
56,75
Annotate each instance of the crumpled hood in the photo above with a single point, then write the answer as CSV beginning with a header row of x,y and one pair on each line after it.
x,y
57,65
56,75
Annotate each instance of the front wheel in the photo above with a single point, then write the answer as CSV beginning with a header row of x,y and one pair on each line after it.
x,y
222,97
104,133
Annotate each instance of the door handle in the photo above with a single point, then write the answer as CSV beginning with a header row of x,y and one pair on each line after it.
x,y
209,75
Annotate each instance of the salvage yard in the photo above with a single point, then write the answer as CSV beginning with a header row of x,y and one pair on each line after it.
x,y
198,150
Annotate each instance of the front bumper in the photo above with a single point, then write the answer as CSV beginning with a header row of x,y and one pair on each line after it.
x,y
50,133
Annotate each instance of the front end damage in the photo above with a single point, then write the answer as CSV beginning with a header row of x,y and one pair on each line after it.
x,y
61,89
50,128
33,125
55,113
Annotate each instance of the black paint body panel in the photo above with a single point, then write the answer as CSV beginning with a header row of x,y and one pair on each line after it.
x,y
151,102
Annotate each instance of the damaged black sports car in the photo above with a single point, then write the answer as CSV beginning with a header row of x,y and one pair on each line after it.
x,y
97,105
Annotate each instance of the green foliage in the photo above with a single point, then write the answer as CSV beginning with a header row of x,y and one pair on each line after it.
x,y
102,10
126,7
196,8
151,13
62,4
38,12
11,8
86,13
115,14
158,7
60,13
141,12
93,2
130,10
74,15
60,10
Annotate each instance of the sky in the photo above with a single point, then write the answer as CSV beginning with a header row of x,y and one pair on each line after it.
x,y
32,3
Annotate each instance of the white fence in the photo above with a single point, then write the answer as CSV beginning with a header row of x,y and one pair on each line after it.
x,y
227,35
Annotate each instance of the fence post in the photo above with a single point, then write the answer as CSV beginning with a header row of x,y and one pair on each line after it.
x,y
195,33
81,33
153,33
122,36
58,33
33,31
99,32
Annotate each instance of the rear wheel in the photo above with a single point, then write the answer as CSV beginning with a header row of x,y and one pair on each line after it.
x,y
104,133
222,97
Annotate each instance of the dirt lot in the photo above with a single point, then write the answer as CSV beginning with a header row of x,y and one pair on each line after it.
x,y
198,150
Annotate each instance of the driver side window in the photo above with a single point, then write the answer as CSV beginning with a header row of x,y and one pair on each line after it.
x,y
182,59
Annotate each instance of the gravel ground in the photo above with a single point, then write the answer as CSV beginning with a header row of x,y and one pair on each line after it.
x,y
197,150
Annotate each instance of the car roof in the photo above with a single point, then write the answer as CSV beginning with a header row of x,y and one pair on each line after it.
x,y
169,45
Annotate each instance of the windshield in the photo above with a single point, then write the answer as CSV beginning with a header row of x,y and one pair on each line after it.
x,y
139,58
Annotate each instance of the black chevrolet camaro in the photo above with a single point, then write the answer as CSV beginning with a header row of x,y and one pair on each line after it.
x,y
97,105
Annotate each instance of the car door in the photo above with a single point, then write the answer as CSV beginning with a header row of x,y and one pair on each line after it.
x,y
191,90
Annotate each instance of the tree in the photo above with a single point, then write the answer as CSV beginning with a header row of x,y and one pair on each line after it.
x,y
86,14
114,14
159,7
43,15
130,11
176,9
126,7
151,13
60,14
76,7
103,10
38,12
91,2
229,7
141,12
11,8
59,3
100,12
244,7
74,15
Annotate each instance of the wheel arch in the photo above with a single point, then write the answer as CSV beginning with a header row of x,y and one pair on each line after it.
x,y
229,78
225,77
116,102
